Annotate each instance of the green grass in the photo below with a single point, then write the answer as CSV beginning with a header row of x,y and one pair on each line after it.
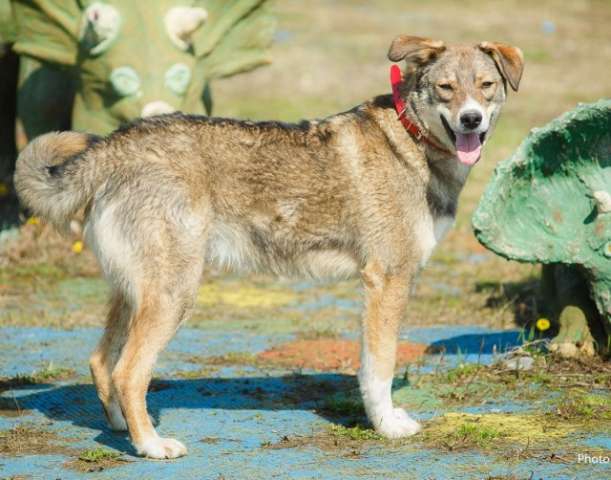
x,y
32,272
98,455
52,372
472,434
47,374
462,371
580,406
473,384
354,433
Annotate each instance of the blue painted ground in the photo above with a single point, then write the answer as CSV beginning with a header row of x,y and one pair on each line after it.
x,y
228,417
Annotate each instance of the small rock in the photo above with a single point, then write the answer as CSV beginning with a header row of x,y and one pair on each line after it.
x,y
519,363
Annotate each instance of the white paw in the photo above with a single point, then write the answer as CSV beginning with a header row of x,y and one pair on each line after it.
x,y
397,424
161,448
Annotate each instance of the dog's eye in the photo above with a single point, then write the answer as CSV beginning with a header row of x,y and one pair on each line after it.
x,y
487,84
445,86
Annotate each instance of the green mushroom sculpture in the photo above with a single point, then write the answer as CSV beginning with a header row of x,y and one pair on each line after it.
x,y
107,62
550,203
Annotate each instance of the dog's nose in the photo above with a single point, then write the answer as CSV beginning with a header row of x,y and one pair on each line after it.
x,y
471,119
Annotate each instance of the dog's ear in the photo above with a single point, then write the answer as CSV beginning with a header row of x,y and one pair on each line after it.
x,y
509,60
415,50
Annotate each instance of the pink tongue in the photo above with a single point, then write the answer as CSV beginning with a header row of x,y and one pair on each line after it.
x,y
468,148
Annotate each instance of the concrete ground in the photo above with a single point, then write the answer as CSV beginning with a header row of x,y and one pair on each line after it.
x,y
247,413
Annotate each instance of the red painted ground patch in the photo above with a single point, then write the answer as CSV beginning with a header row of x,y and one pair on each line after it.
x,y
330,354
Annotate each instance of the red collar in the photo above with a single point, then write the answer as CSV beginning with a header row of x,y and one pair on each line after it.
x,y
395,81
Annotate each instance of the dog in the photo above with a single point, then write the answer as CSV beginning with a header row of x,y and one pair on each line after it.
x,y
372,191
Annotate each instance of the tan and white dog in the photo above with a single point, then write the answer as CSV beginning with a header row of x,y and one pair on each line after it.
x,y
372,190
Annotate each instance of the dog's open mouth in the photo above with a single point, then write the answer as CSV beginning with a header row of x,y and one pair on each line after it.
x,y
468,145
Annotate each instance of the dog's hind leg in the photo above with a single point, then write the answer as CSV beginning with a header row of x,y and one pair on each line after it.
x,y
386,299
163,303
105,357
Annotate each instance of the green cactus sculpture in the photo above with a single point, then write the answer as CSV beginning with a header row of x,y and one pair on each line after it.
x,y
119,60
550,203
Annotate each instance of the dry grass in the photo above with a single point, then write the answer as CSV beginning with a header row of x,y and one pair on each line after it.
x,y
26,439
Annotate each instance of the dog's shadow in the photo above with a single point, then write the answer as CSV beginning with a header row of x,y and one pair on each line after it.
x,y
333,396
78,403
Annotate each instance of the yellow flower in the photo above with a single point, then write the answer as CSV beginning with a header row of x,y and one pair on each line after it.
x,y
77,247
33,221
543,324
3,189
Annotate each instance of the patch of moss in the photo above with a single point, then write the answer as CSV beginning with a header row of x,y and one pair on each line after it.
x,y
245,296
97,455
474,433
463,430
96,460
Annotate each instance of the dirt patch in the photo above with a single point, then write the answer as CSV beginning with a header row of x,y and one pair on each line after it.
x,y
326,442
91,467
31,440
215,440
210,440
325,354
232,358
347,442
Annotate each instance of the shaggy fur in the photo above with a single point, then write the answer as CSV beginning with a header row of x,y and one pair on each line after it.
x,y
351,193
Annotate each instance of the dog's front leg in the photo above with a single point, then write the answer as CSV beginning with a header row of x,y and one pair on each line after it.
x,y
386,299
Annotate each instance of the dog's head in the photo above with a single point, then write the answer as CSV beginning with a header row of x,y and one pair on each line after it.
x,y
457,91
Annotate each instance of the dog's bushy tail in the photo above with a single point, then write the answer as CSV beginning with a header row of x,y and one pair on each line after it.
x,y
54,178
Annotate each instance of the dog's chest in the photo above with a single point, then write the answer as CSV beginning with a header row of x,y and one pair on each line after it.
x,y
430,230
